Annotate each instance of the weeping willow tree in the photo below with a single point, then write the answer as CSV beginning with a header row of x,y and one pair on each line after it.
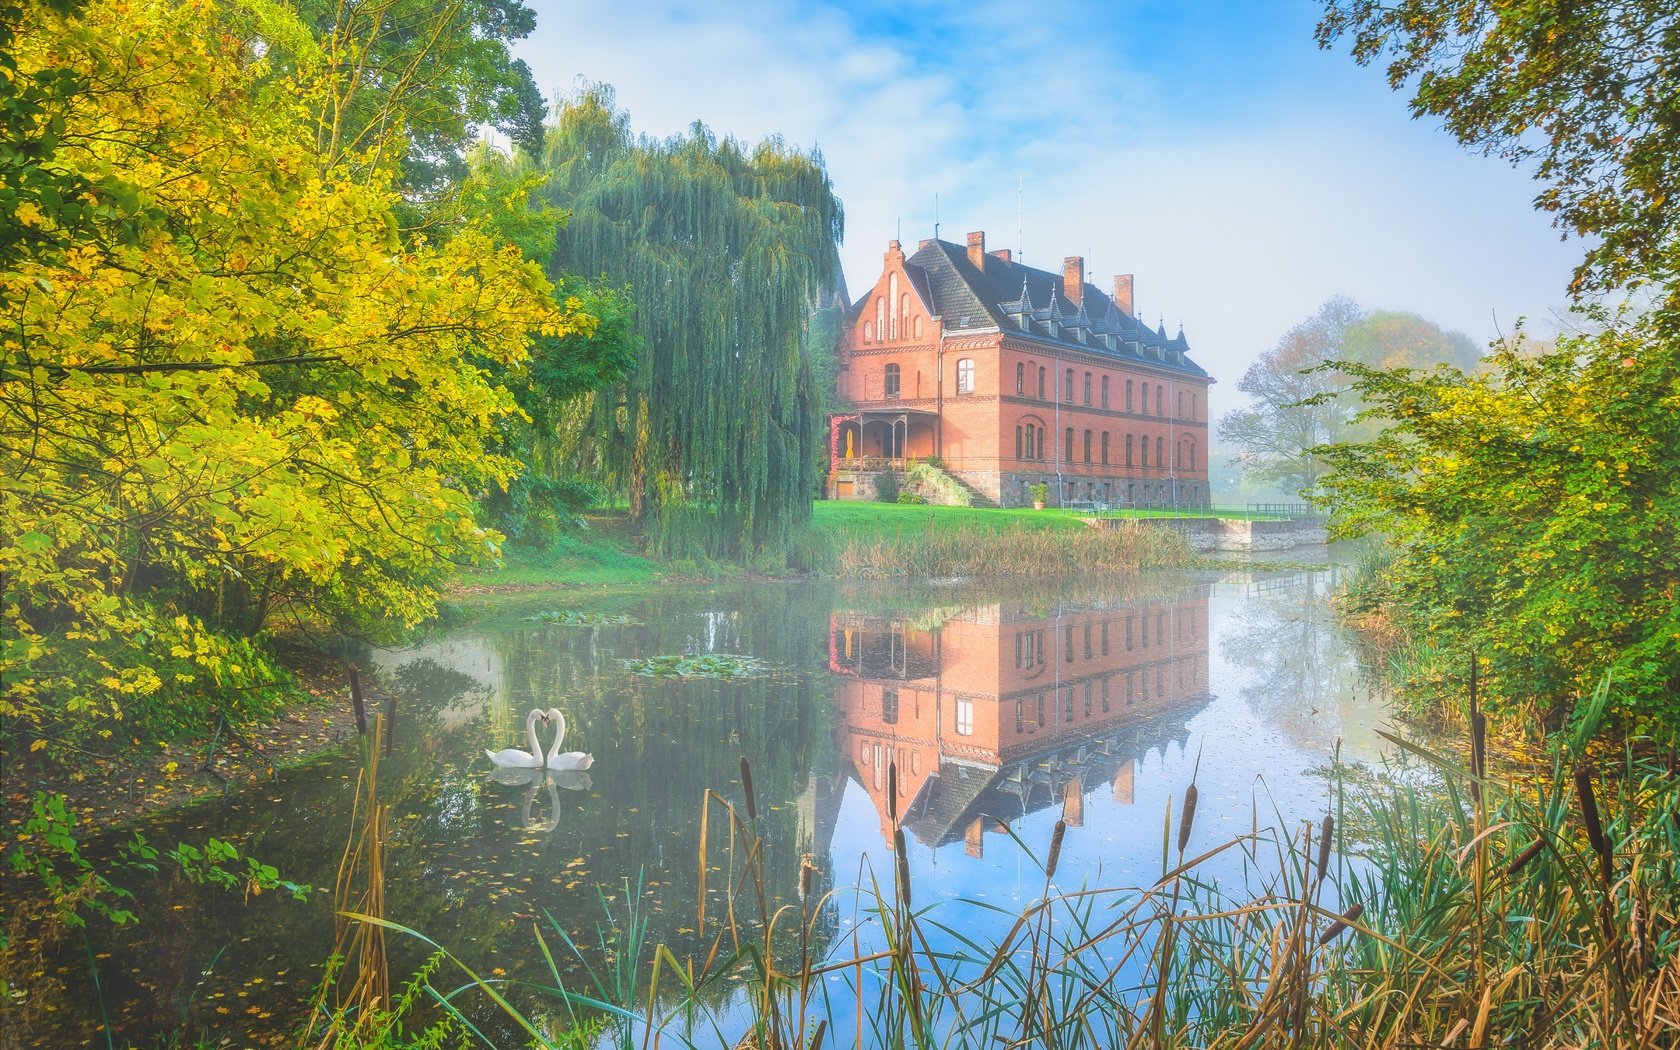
x,y
714,435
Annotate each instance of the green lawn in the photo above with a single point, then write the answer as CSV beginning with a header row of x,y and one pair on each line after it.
x,y
844,517
603,554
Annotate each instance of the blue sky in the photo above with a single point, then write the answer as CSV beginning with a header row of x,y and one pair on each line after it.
x,y
1209,148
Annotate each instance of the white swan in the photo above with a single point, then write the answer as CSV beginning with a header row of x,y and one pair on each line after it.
x,y
571,759
515,758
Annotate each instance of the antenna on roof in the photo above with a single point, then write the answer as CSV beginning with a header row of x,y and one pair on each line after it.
x,y
1020,222
936,216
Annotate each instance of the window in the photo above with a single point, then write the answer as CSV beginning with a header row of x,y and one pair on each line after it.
x,y
891,383
904,311
918,323
1087,446
1018,443
869,331
1143,454
1041,709
1087,699
1160,451
1067,645
1128,395
1041,384
965,716
965,376
1181,404
1192,406
1069,455
1105,696
1105,391
892,291
1067,704
881,317
1128,634
1105,637
1087,388
1158,409
1128,450
1144,390
1020,724
889,706
1105,448
1021,378
1067,387
1087,648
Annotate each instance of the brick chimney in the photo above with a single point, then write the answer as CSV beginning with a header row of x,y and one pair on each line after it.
x,y
895,252
977,250
1005,254
1073,280
1123,293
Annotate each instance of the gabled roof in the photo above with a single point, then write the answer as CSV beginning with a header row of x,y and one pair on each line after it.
x,y
1011,296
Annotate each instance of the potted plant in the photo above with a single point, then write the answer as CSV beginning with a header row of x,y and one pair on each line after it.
x,y
1040,492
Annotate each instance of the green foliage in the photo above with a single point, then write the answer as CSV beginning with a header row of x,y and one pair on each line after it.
x,y
914,499
716,436
393,1026
1590,91
1039,491
886,486
574,618
1534,510
242,395
928,481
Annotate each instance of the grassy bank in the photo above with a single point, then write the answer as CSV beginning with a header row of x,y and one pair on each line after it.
x,y
859,540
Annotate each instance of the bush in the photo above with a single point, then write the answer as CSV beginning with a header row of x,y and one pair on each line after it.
x,y
1040,492
913,498
886,487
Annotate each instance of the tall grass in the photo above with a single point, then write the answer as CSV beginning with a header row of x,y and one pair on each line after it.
x,y
974,551
1513,914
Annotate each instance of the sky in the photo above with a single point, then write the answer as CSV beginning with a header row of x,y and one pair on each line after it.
x,y
1210,148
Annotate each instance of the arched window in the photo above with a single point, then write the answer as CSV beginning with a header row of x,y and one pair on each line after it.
x,y
1087,446
965,376
1181,404
904,311
869,331
1158,409
1144,390
891,385
1128,395
1105,391
1017,442
1087,388
918,323
1067,387
1105,447
1192,406
881,317
1068,455
1143,451
1021,378
892,293
1041,383
1128,450
1160,450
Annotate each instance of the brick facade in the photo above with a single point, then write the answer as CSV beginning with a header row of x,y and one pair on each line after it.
x,y
1012,376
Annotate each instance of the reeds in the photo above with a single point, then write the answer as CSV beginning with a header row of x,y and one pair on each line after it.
x,y
979,552
1527,915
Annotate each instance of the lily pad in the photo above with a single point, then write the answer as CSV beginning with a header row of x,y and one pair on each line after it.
x,y
722,666
573,618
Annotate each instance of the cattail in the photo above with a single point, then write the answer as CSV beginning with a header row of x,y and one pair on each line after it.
x,y
1589,811
892,791
1525,856
1478,754
746,786
817,1037
1335,929
1188,818
806,872
903,862
1326,833
1055,849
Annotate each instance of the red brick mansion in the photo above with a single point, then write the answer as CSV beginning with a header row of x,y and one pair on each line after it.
x,y
1013,376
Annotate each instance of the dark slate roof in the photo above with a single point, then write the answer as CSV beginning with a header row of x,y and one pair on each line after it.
x,y
1013,296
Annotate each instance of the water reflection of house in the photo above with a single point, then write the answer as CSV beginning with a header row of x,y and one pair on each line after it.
x,y
1005,709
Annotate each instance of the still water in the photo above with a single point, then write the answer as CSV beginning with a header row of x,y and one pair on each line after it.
x,y
1003,710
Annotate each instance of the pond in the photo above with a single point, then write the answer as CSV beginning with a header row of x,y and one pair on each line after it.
x,y
1001,710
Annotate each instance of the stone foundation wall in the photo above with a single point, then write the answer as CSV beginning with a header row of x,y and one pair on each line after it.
x,y
1239,535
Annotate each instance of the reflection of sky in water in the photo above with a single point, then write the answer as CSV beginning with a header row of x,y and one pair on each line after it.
x,y
1256,679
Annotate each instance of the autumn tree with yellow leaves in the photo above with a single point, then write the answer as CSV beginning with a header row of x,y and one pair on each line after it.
x,y
233,390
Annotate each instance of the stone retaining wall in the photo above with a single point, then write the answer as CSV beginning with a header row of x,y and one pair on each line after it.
x,y
1208,535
